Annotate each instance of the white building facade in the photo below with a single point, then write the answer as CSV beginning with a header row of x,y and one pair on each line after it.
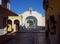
x,y
40,20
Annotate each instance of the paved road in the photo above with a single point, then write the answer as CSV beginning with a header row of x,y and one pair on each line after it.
x,y
31,38
27,38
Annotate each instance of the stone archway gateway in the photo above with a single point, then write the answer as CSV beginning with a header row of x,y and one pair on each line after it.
x,y
31,14
16,22
32,21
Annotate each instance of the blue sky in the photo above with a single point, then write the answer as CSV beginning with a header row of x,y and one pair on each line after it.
x,y
19,6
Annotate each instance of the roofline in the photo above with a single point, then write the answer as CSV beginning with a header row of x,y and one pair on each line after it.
x,y
8,10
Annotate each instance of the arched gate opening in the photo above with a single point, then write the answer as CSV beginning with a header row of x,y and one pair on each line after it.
x,y
16,22
32,21
9,26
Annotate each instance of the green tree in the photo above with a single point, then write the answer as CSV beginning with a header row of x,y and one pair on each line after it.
x,y
30,22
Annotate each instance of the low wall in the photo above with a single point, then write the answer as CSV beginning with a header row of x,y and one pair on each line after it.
x,y
3,31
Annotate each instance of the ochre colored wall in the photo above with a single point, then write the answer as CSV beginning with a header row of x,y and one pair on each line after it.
x,y
9,27
55,5
13,18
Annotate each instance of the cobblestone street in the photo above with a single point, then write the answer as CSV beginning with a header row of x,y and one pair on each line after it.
x,y
28,38
32,38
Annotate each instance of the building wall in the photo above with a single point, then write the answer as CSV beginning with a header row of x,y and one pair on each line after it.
x,y
3,26
43,20
38,16
13,18
53,9
4,13
1,22
0,2
5,3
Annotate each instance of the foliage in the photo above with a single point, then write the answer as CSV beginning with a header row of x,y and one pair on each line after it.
x,y
30,22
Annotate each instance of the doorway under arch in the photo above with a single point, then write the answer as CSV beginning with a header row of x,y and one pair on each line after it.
x,y
16,22
9,25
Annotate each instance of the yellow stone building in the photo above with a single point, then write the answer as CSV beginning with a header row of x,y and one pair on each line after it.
x,y
52,9
4,13
14,22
